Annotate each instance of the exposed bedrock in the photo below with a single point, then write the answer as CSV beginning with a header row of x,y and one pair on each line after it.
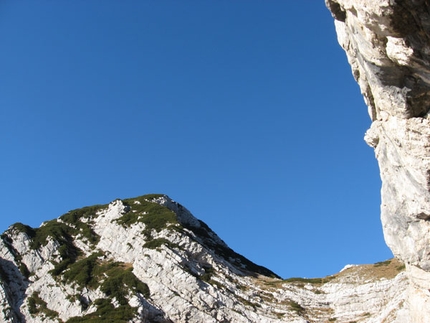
x,y
387,43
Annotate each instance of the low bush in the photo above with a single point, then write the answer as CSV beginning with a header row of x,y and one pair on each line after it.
x,y
36,305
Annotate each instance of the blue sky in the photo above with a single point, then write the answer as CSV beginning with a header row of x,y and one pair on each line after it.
x,y
245,112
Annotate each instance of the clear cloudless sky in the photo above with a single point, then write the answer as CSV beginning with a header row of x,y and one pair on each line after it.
x,y
244,111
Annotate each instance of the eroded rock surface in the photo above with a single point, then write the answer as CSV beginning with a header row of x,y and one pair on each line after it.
x,y
148,259
387,43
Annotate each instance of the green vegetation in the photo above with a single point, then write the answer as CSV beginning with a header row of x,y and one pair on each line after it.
x,y
204,232
74,216
29,231
36,305
296,307
82,272
157,243
382,263
309,280
154,216
401,267
120,281
114,278
106,313
24,270
62,232
148,197
248,303
207,276
18,258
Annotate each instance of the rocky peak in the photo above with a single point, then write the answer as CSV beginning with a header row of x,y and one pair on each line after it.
x,y
148,259
388,46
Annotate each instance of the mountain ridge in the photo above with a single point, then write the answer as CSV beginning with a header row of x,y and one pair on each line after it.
x,y
148,259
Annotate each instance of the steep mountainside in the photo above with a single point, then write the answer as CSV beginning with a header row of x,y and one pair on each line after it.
x,y
147,259
387,43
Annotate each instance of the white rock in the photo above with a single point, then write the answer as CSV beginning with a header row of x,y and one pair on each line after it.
x,y
387,44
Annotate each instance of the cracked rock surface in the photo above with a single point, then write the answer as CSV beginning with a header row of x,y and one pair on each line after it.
x,y
148,259
387,43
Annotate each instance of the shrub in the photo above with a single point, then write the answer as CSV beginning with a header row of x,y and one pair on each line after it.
x,y
154,216
74,216
37,305
296,307
24,270
115,278
82,271
29,231
207,276
107,313
120,281
157,243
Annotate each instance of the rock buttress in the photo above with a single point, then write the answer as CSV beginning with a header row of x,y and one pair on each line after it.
x,y
387,44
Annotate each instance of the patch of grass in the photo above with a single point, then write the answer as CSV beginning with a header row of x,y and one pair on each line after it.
x,y
371,272
401,267
309,280
248,303
382,263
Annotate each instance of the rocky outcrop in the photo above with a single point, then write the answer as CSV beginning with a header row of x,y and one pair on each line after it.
x,y
148,259
387,43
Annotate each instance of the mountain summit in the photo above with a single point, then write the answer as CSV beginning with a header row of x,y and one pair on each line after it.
x,y
148,259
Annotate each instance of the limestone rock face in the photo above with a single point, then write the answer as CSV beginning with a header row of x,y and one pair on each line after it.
x,y
148,259
387,43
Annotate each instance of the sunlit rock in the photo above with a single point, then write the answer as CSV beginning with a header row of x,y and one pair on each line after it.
x,y
388,46
148,259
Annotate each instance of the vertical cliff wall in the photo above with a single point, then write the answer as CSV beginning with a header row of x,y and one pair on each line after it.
x,y
387,43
